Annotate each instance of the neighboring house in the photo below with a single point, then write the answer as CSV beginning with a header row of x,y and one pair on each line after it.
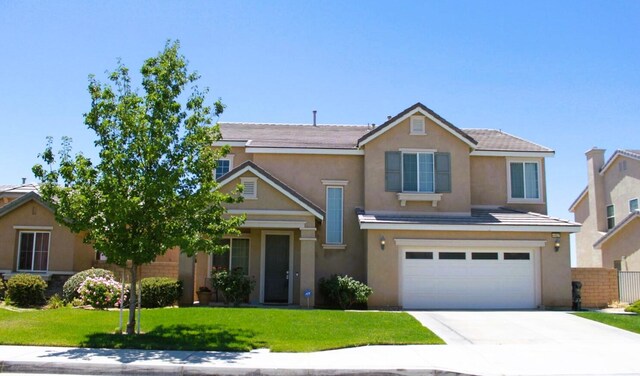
x,y
608,211
427,214
31,240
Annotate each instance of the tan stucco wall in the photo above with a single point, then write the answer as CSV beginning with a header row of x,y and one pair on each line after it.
x,y
436,138
62,241
383,266
489,184
625,243
586,255
622,186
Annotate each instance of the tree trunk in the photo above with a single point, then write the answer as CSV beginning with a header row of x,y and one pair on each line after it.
x,y
133,300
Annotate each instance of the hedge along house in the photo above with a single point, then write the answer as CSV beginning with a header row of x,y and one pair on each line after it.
x,y
427,214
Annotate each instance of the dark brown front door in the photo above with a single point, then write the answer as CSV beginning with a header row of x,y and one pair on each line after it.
x,y
276,269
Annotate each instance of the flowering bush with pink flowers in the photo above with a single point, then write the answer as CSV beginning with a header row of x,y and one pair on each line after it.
x,y
100,292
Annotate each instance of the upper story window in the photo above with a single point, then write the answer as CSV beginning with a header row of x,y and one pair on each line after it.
x,y
334,219
236,258
633,205
417,172
33,251
250,188
524,181
611,217
224,165
417,125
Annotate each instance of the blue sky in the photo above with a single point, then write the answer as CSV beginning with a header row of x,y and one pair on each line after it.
x,y
565,74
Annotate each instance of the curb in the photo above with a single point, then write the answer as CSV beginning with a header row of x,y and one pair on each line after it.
x,y
132,369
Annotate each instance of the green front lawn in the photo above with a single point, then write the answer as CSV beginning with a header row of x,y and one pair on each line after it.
x,y
226,329
626,322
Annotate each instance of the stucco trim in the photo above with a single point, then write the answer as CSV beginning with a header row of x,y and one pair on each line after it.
x,y
321,151
432,227
38,228
273,224
516,154
469,243
232,143
267,212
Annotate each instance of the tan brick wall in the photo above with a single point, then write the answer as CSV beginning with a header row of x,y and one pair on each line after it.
x,y
599,286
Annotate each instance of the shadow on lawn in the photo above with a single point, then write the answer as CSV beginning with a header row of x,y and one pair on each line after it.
x,y
162,343
179,337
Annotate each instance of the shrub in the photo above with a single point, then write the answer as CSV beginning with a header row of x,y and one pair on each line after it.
x,y
2,288
55,302
24,290
70,288
160,292
100,292
635,307
234,285
344,291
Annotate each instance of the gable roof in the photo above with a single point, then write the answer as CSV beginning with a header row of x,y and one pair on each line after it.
x,y
21,201
418,107
493,219
630,153
611,233
347,139
289,192
582,195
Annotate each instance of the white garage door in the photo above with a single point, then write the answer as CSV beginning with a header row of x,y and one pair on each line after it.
x,y
467,279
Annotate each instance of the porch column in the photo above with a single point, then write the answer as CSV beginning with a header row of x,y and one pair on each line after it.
x,y
186,272
307,265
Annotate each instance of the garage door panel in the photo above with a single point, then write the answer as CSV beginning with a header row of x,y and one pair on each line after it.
x,y
469,283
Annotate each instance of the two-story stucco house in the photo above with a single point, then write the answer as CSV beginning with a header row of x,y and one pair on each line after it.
x,y
608,211
427,214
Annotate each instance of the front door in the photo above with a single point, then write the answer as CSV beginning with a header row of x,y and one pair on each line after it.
x,y
276,269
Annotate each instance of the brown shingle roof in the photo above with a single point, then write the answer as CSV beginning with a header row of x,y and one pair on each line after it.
x,y
350,136
294,135
497,140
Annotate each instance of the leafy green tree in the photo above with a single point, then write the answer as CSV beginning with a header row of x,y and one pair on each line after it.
x,y
154,187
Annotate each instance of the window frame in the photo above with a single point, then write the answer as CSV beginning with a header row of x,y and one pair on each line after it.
x,y
525,200
611,219
341,188
229,158
19,258
230,252
417,152
637,207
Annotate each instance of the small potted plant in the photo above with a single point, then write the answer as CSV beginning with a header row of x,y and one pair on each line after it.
x,y
204,295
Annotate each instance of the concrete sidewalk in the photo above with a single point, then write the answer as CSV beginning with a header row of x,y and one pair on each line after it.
x,y
608,359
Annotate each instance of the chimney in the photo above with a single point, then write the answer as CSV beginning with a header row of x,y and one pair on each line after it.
x,y
24,181
597,204
315,112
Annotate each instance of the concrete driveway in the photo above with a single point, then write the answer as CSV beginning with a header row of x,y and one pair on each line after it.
x,y
521,327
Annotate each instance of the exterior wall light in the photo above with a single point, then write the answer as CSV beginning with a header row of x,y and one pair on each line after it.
x,y
382,242
556,238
